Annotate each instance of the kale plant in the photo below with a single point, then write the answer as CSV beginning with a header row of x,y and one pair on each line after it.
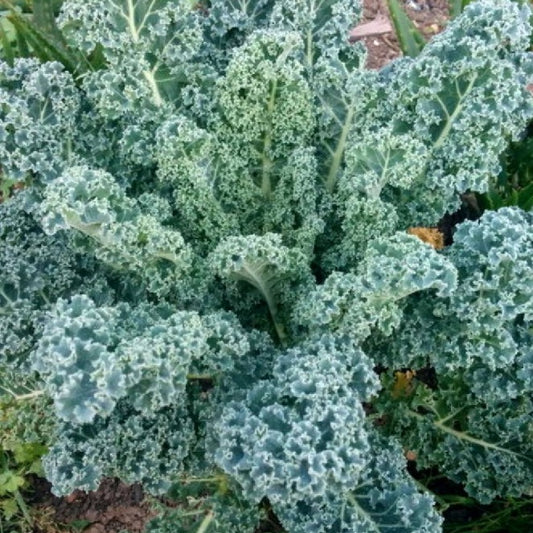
x,y
211,271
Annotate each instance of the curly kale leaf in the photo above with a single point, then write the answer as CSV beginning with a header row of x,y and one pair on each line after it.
x,y
186,157
229,23
476,425
485,445
318,463
286,439
92,203
333,68
148,46
73,358
36,270
392,269
266,111
493,258
39,105
384,498
276,273
137,447
477,323
323,25
91,356
454,110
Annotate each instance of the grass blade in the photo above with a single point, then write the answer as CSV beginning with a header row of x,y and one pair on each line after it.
x,y
5,42
525,197
457,7
44,20
410,39
42,45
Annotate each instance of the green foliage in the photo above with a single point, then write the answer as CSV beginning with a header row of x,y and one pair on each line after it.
x,y
206,505
510,514
457,7
26,427
481,411
208,278
29,29
514,185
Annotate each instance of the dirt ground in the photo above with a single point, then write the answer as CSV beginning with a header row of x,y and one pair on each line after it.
x,y
116,507
113,508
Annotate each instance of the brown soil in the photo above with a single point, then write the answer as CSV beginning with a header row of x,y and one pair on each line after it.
x,y
113,508
429,16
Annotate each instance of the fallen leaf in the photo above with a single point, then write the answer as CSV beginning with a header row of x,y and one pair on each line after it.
x,y
374,27
410,455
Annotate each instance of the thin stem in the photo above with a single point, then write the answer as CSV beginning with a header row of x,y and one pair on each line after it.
x,y
461,435
206,522
23,507
266,184
339,152
130,19
309,46
22,397
355,504
451,118
450,416
44,297
30,395
200,377
250,275
214,479
150,78
3,293
193,513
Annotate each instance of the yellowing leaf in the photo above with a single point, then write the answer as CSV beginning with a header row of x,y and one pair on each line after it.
x,y
430,235
9,508
10,482
403,385
28,452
